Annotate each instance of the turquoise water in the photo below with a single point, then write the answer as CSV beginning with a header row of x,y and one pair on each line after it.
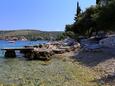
x,y
12,69
21,72
17,44
56,72
5,44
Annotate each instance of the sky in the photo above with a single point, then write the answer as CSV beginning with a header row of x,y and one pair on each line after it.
x,y
44,15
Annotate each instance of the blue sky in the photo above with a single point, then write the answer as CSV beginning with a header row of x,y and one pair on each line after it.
x,y
45,15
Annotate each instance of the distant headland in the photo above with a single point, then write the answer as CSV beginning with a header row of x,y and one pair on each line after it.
x,y
29,35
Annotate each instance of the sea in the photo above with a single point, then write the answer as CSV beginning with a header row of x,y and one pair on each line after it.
x,y
22,72
17,44
17,71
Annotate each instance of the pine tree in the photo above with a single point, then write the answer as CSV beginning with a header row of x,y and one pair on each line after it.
x,y
97,1
78,11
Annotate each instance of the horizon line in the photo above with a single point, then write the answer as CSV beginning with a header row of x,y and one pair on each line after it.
x,y
32,29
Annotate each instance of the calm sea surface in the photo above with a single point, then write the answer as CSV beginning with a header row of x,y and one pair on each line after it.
x,y
56,72
17,44
17,70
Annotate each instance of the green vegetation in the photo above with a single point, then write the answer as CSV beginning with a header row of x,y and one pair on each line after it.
x,y
94,19
31,34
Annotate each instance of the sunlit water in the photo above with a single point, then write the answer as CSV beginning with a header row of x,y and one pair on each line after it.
x,y
10,69
21,72
56,72
17,44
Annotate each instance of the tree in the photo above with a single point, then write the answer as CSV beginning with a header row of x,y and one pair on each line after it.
x,y
97,1
94,19
68,27
85,24
78,11
106,19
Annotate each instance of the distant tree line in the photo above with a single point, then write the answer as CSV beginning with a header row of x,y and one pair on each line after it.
x,y
31,35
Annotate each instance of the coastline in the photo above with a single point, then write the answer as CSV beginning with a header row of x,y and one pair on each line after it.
x,y
73,67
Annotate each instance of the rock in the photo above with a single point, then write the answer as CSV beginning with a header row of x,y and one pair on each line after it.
x,y
108,42
77,45
92,47
69,42
10,54
29,55
58,51
67,48
43,54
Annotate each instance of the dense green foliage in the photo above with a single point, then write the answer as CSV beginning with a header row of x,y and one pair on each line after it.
x,y
94,19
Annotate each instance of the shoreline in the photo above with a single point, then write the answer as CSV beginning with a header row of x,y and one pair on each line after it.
x,y
57,71
100,64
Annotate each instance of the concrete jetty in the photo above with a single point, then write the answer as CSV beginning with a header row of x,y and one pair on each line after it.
x,y
40,52
10,52
29,53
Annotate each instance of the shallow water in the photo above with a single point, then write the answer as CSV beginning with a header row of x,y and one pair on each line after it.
x,y
31,73
19,72
56,72
10,69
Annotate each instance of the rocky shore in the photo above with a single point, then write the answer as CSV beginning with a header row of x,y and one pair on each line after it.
x,y
100,57
71,63
97,57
